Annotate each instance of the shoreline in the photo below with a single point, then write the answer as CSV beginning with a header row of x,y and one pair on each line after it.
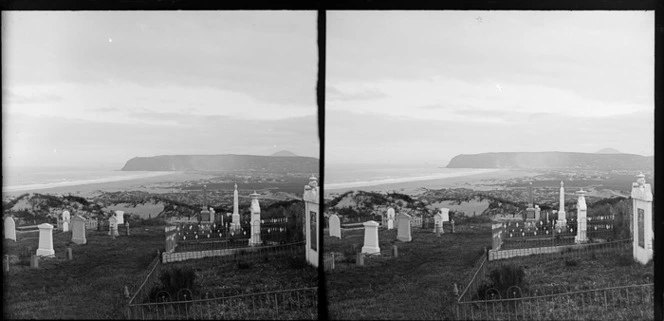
x,y
482,180
156,182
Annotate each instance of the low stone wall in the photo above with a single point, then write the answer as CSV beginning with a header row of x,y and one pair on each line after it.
x,y
183,256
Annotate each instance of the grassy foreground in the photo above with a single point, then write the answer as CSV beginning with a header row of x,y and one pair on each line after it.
x,y
88,287
418,284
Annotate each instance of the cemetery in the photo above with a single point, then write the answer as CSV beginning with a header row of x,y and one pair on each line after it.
x,y
587,276
119,266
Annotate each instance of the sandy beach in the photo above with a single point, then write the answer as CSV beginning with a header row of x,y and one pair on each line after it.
x,y
480,181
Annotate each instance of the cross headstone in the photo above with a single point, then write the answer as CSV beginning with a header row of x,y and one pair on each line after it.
x,y
78,230
335,226
371,238
10,229
45,240
403,228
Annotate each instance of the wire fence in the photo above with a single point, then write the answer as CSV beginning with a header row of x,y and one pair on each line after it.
x,y
149,279
301,304
633,302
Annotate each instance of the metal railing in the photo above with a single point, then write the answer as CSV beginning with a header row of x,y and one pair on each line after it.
x,y
149,279
285,304
633,302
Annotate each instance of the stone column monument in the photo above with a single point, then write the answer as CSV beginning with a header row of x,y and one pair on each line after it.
x,y
642,220
581,218
255,237
311,224
562,219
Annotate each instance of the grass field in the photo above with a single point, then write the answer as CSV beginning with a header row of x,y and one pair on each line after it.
x,y
418,284
88,287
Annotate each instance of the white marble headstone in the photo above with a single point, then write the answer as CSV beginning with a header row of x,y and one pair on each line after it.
x,y
335,226
371,238
120,216
446,214
78,230
390,224
65,226
66,216
390,214
10,228
437,222
45,240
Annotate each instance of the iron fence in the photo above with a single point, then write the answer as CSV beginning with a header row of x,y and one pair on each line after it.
x,y
633,302
276,305
149,279
245,253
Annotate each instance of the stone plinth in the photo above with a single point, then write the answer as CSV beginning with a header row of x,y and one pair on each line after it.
x,y
371,238
45,240
403,228
390,224
581,218
65,226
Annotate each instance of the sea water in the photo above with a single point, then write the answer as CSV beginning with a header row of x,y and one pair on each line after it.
x,y
350,176
33,178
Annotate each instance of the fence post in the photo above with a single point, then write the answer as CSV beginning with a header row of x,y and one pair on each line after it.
x,y
395,251
6,263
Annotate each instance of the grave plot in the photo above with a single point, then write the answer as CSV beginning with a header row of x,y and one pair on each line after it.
x,y
271,285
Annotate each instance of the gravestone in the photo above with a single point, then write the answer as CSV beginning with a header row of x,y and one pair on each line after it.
x,y
66,216
45,240
371,238
311,221
65,226
78,230
335,226
113,227
120,217
445,212
403,228
255,238
212,214
562,218
390,224
581,218
437,222
390,214
642,241
10,229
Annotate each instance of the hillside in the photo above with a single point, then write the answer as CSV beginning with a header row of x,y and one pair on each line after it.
x,y
272,164
284,153
553,160
608,151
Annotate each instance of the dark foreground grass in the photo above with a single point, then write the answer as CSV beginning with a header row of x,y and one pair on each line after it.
x,y
88,287
417,285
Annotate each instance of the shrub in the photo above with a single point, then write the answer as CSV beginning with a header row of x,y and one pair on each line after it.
x,y
173,280
505,276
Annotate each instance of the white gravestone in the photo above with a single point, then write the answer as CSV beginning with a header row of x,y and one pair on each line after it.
x,y
642,243
66,216
65,226
335,226
403,228
212,215
371,238
437,222
10,229
78,230
390,214
581,218
562,218
446,214
113,226
120,217
45,240
313,241
390,224
255,238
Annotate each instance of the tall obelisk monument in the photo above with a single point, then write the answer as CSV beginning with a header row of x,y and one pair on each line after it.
x,y
562,219
255,238
235,218
581,218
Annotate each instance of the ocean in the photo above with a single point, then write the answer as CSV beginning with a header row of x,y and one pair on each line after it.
x,y
34,178
351,176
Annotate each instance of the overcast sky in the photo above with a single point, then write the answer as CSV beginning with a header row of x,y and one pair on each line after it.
x,y
422,87
87,88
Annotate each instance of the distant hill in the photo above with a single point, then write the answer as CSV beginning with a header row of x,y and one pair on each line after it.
x,y
550,160
272,164
284,153
608,151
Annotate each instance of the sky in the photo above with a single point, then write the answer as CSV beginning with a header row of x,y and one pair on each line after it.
x,y
421,87
98,88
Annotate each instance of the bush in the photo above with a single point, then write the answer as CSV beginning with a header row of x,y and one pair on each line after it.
x,y
173,280
505,276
